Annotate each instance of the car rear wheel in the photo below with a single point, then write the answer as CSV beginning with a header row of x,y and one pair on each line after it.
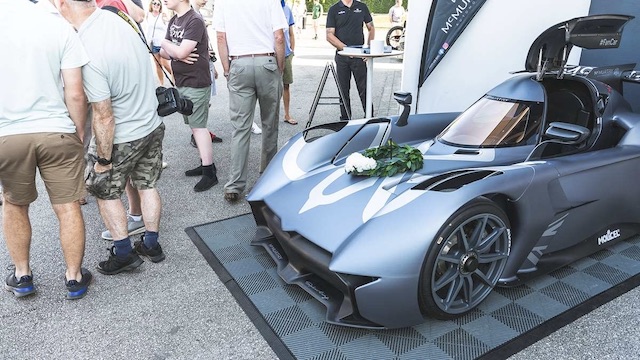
x,y
466,260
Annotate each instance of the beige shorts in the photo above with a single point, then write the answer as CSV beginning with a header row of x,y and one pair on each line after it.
x,y
287,76
58,157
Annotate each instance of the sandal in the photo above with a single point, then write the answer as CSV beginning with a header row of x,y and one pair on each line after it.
x,y
291,121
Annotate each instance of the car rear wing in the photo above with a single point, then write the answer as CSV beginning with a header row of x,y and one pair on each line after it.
x,y
550,51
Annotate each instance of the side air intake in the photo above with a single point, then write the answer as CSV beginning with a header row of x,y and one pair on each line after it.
x,y
454,180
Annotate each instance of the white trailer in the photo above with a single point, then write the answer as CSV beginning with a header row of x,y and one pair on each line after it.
x,y
494,43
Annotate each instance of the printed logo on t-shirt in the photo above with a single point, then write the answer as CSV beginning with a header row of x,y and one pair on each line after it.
x,y
358,10
177,33
341,12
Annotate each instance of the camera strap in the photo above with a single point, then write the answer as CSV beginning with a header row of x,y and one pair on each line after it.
x,y
136,28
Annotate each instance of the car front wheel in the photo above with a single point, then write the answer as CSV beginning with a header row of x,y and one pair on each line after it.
x,y
465,261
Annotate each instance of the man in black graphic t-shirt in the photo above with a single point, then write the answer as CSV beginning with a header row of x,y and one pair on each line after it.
x,y
186,34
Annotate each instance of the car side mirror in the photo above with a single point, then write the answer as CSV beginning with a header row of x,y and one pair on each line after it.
x,y
570,134
403,98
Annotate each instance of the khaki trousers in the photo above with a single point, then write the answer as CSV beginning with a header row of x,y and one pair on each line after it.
x,y
252,79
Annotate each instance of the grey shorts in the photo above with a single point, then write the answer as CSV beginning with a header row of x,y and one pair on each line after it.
x,y
140,160
200,98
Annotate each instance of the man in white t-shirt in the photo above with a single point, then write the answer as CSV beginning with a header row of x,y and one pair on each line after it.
x,y
396,13
41,129
251,47
127,131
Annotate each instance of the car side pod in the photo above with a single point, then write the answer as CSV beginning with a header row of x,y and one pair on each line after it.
x,y
403,98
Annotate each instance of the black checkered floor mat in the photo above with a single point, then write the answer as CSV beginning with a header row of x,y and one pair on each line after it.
x,y
293,322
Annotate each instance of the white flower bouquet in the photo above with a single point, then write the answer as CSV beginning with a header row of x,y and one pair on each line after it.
x,y
385,160
358,164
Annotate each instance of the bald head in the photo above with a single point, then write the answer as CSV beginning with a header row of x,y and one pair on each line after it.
x,y
75,11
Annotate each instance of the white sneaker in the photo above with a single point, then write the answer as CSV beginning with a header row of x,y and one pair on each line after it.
x,y
134,227
255,129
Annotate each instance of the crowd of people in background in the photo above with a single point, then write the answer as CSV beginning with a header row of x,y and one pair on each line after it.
x,y
102,108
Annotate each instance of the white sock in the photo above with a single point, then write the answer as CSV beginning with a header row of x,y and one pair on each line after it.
x,y
136,217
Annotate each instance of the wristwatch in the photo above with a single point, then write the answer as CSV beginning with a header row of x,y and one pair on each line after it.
x,y
104,162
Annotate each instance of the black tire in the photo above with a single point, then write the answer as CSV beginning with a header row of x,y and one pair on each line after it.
x,y
393,36
465,261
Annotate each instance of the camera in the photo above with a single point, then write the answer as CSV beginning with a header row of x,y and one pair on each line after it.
x,y
170,101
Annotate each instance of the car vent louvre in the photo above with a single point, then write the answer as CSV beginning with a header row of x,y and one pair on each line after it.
x,y
454,180
467,152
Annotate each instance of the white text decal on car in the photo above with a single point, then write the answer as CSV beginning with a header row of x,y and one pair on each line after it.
x,y
610,235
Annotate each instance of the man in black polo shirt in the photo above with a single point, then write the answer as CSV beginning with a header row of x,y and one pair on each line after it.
x,y
344,28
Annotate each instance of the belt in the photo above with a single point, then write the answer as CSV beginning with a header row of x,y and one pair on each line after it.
x,y
251,55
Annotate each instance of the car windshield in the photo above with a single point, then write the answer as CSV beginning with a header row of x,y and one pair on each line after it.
x,y
492,122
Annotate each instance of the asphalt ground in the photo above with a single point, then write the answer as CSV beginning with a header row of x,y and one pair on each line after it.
x,y
179,309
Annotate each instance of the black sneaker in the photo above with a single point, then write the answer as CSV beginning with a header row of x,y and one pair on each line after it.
x,y
205,183
78,289
20,287
155,254
194,172
115,265
215,138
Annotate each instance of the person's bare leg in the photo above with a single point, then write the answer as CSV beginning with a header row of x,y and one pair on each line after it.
x,y
17,234
203,140
134,200
151,208
72,237
286,97
158,68
114,216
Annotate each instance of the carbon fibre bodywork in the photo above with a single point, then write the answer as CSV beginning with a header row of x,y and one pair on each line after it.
x,y
359,244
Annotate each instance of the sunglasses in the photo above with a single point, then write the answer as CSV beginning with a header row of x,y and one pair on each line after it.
x,y
155,3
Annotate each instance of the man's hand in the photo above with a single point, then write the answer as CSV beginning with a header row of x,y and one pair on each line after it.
x,y
100,169
191,59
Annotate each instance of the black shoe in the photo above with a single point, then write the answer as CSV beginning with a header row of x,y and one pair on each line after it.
x,y
115,264
77,290
206,183
155,254
194,172
20,287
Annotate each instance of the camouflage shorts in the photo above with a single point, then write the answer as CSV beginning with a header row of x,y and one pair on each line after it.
x,y
139,160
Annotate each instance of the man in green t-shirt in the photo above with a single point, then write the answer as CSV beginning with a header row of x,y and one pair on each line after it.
x,y
316,13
